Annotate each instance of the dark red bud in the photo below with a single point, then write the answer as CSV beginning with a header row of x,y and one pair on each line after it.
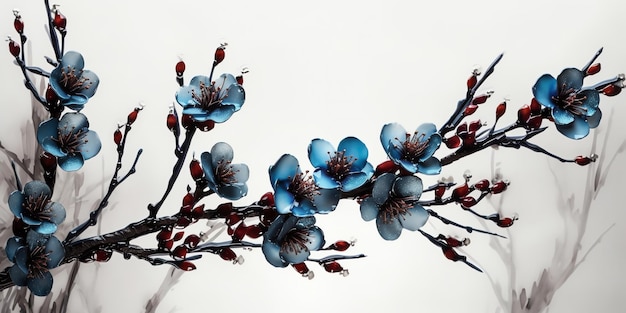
x,y
178,236
481,99
19,227
192,241
267,199
180,252
460,191
172,121
470,109
611,90
59,21
333,267
205,126
471,82
186,266
535,122
167,244
582,160
386,167
183,222
232,219
180,68
224,209
14,48
188,199
535,106
240,231
453,142
500,110
469,140
19,25
51,96
301,268
468,202
164,234
593,69
450,254
196,170
506,222
228,254
117,137
453,242
461,128
132,116
523,114
198,212
239,79
220,53
254,231
482,185
499,187
187,121
474,125
102,255
340,245
48,161
439,191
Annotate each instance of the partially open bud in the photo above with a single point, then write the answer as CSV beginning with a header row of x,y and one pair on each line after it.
x,y
48,162
611,90
18,24
59,20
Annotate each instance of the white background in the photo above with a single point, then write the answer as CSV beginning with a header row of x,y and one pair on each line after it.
x,y
332,69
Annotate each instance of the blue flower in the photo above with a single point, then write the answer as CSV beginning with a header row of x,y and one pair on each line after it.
x,y
34,207
413,152
290,240
224,178
73,85
217,101
33,258
345,168
574,109
296,192
393,204
69,139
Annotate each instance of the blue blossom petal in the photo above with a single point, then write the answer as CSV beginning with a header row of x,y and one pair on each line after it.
x,y
594,120
315,238
432,166
357,149
40,285
221,152
15,202
232,192
73,59
578,129
562,116
433,144
283,199
218,115
320,151
47,129
390,229
295,256
544,89
271,251
407,186
415,218
327,199
369,209
55,251
92,145
392,134
382,187
356,180
591,102
12,245
18,277
95,81
570,78
46,228
71,163
236,97
323,180
57,212
52,146
285,168
304,208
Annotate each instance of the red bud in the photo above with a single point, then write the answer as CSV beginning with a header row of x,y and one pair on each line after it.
x,y
453,142
593,69
180,252
267,199
132,116
611,90
192,241
59,21
219,55
239,79
470,109
333,267
500,109
474,125
196,170
51,96
19,25
340,245
482,185
582,160
186,266
228,254
48,161
117,137
468,202
14,48
301,268
187,121
499,187
205,126
471,82
180,68
481,99
386,167
172,121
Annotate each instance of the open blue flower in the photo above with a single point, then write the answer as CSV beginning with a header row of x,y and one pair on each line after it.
x,y
413,152
345,168
34,207
393,204
290,240
296,192
73,85
224,178
217,101
574,109
69,139
34,256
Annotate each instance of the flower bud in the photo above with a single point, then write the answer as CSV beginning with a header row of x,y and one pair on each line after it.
x,y
132,116
228,254
171,122
611,90
220,53
333,267
386,167
48,162
196,170
453,142
14,48
51,96
117,137
186,266
18,24
180,68
340,245
470,109
59,21
593,69
471,81
481,99
499,187
500,109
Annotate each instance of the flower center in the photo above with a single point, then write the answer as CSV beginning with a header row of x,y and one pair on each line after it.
x,y
339,165
73,83
394,207
303,186
413,147
295,241
209,96
572,101
38,263
225,173
36,207
70,141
